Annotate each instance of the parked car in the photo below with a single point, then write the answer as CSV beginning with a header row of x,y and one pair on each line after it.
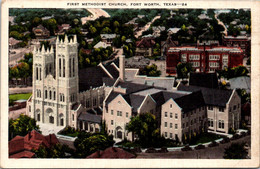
x,y
213,144
186,148
200,146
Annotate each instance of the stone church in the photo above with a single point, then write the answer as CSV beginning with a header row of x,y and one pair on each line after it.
x,y
64,95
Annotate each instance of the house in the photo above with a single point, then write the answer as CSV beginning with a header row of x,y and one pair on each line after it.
x,y
41,32
112,152
244,42
173,30
101,45
107,38
145,46
13,43
223,107
157,30
204,58
62,29
166,44
21,147
204,16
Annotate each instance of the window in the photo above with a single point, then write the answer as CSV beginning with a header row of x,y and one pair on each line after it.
x,y
100,100
170,135
165,114
210,122
112,122
46,94
87,103
50,94
210,107
170,105
176,116
73,67
170,125
94,102
63,67
112,112
183,125
72,117
165,124
221,124
234,107
126,114
54,95
221,109
118,113
38,117
60,67
29,108
176,126
170,115
70,67
230,109
37,73
165,134
183,115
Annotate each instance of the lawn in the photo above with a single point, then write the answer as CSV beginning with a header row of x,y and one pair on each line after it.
x,y
15,97
205,138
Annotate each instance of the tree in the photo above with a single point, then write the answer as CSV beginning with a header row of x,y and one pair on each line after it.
x,y
145,127
55,151
235,151
150,71
183,69
21,126
88,143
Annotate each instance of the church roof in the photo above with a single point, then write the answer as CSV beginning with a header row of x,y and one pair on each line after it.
x,y
96,77
89,117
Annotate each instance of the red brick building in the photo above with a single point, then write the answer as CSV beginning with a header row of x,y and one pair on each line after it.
x,y
244,42
204,58
21,147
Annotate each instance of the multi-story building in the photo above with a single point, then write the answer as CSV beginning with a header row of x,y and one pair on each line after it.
x,y
244,42
203,58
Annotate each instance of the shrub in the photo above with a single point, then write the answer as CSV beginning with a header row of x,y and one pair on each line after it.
x,y
213,144
200,146
225,140
186,148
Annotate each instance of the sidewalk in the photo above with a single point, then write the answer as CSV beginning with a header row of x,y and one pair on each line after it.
x,y
18,90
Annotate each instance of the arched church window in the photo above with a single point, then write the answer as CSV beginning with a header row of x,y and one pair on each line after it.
x,y
37,73
63,67
50,94
46,94
54,95
73,67
59,67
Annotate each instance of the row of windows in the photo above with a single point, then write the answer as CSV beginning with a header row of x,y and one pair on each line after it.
x,y
195,64
194,57
213,64
48,95
213,57
166,125
88,101
119,113
170,134
193,122
234,107
221,123
171,115
193,112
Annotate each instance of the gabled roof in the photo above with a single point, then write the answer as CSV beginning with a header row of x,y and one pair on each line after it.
x,y
191,101
98,77
209,80
145,43
242,82
101,45
89,117
163,96
214,97
21,146
108,36
174,30
133,87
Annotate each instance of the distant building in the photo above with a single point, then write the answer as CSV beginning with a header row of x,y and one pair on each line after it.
x,y
107,38
157,30
204,16
21,147
244,42
166,44
101,45
62,29
204,58
173,30
13,43
41,32
145,46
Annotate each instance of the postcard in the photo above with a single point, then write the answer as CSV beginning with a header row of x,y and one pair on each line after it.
x,y
112,84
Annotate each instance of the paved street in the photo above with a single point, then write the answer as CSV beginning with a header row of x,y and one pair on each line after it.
x,y
96,13
16,113
18,90
207,153
146,27
19,53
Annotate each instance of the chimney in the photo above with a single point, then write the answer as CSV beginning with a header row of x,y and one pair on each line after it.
x,y
122,67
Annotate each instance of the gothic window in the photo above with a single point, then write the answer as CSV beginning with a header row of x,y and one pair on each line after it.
x,y
54,95
50,94
94,102
51,119
72,117
38,117
101,100
63,67
70,67
73,66
46,94
40,73
87,103
60,67
63,98
50,69
62,122
46,70
37,73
